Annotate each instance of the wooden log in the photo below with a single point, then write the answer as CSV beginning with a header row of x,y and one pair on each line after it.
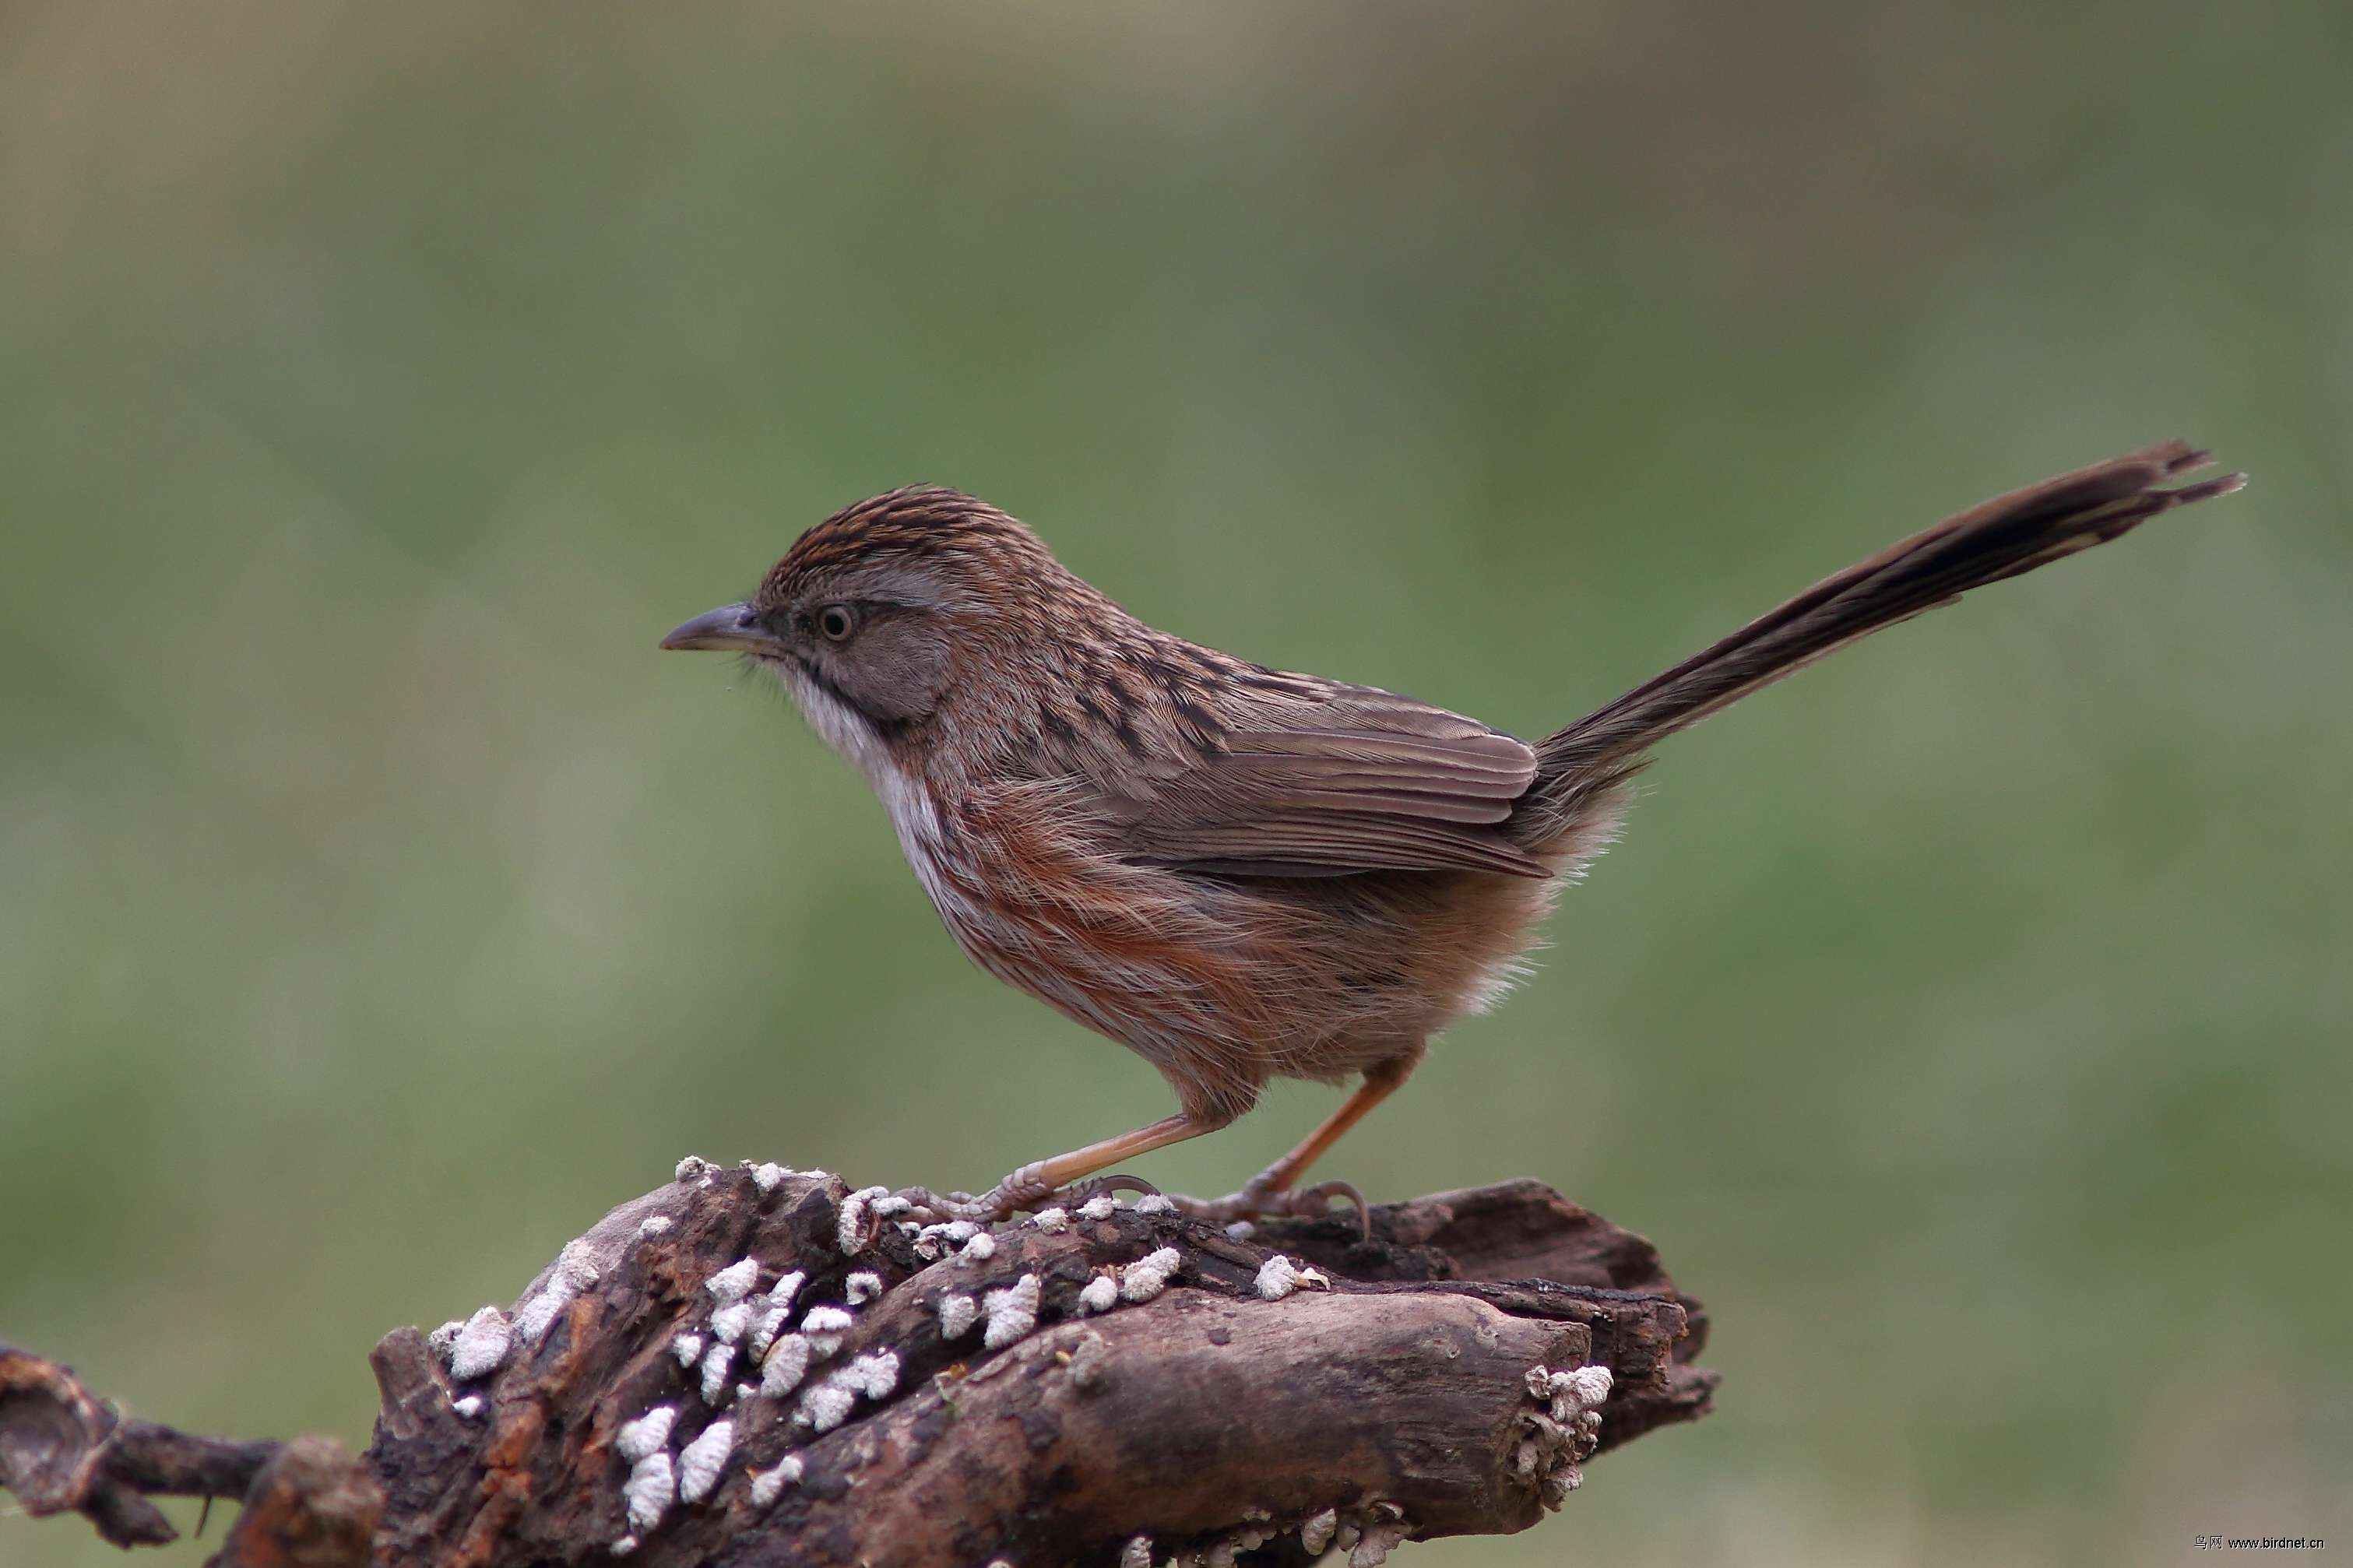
x,y
760,1366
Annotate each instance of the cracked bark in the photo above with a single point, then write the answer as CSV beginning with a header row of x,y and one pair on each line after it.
x,y
1422,1382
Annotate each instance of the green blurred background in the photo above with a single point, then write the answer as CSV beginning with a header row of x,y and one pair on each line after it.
x,y
1968,1020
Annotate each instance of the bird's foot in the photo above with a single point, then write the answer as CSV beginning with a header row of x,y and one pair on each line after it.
x,y
1025,1191
939,1208
1260,1199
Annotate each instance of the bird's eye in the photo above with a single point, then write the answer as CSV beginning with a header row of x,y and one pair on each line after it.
x,y
836,622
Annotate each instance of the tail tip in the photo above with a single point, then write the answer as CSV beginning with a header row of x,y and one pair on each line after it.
x,y
2181,457
2207,489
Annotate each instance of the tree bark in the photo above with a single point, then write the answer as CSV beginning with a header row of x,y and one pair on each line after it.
x,y
1114,1384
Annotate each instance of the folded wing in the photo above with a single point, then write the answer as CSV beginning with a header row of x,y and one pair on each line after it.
x,y
1354,780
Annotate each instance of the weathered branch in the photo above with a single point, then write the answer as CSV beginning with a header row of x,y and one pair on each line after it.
x,y
758,1366
62,1449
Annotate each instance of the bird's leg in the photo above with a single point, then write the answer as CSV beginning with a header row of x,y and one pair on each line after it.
x,y
1040,1180
1276,1189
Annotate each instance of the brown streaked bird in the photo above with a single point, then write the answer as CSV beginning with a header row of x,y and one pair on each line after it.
x,y
1240,873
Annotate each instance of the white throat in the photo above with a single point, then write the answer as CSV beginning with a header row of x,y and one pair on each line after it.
x,y
903,795
842,727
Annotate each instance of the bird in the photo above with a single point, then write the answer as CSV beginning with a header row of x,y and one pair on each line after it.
x,y
1242,873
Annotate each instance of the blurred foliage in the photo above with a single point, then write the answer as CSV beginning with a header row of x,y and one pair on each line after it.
x,y
1966,1019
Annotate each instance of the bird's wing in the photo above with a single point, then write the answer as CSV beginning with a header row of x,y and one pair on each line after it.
x,y
1347,779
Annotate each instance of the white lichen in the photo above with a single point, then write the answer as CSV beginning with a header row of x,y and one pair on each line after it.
x,y
441,1339
694,1166
958,1315
1148,1275
731,1322
1380,1537
654,1224
824,1327
849,1232
1100,1295
1137,1554
979,1248
1571,1395
718,1369
863,1286
733,1282
1242,1230
766,1485
538,1314
1011,1312
648,1434
765,1332
932,1240
827,1405
786,1363
471,1407
782,1292
702,1462
481,1346
890,1205
649,1491
573,1273
625,1545
1054,1220
1566,1432
1153,1203
575,1264
687,1348
874,1374
1278,1277
768,1173
1317,1532
1103,1206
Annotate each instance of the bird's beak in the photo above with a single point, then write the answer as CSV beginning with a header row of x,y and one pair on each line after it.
x,y
730,628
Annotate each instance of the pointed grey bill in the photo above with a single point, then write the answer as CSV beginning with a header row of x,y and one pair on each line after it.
x,y
730,628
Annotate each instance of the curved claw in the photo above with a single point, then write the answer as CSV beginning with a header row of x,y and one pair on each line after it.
x,y
1315,1203
1094,1186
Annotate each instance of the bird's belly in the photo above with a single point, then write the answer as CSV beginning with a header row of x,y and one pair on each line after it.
x,y
1221,985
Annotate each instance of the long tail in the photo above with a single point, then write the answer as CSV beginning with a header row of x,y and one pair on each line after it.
x,y
2000,537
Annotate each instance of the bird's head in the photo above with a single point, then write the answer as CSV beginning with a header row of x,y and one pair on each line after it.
x,y
886,610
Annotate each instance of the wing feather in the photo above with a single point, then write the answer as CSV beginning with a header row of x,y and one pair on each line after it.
x,y
1358,781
